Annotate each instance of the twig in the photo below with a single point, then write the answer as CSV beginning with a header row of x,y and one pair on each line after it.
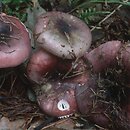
x,y
107,17
99,127
12,85
54,124
70,70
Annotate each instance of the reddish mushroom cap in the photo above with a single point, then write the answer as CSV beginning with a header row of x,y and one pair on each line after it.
x,y
104,56
89,105
62,34
40,64
59,100
15,44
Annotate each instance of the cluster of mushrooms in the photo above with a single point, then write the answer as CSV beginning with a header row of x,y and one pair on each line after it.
x,y
62,70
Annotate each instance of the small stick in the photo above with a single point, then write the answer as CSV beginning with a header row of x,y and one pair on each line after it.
x,y
107,17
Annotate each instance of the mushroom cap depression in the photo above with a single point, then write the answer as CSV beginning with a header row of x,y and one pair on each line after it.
x,y
15,46
62,34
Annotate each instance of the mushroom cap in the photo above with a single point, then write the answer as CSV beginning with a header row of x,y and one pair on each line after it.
x,y
62,34
59,99
40,64
104,56
15,46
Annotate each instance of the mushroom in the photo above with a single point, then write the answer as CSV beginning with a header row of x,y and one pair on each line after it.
x,y
104,56
59,99
40,64
90,105
63,35
15,44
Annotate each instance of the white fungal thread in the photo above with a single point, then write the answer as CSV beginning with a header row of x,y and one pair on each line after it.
x,y
66,116
63,105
